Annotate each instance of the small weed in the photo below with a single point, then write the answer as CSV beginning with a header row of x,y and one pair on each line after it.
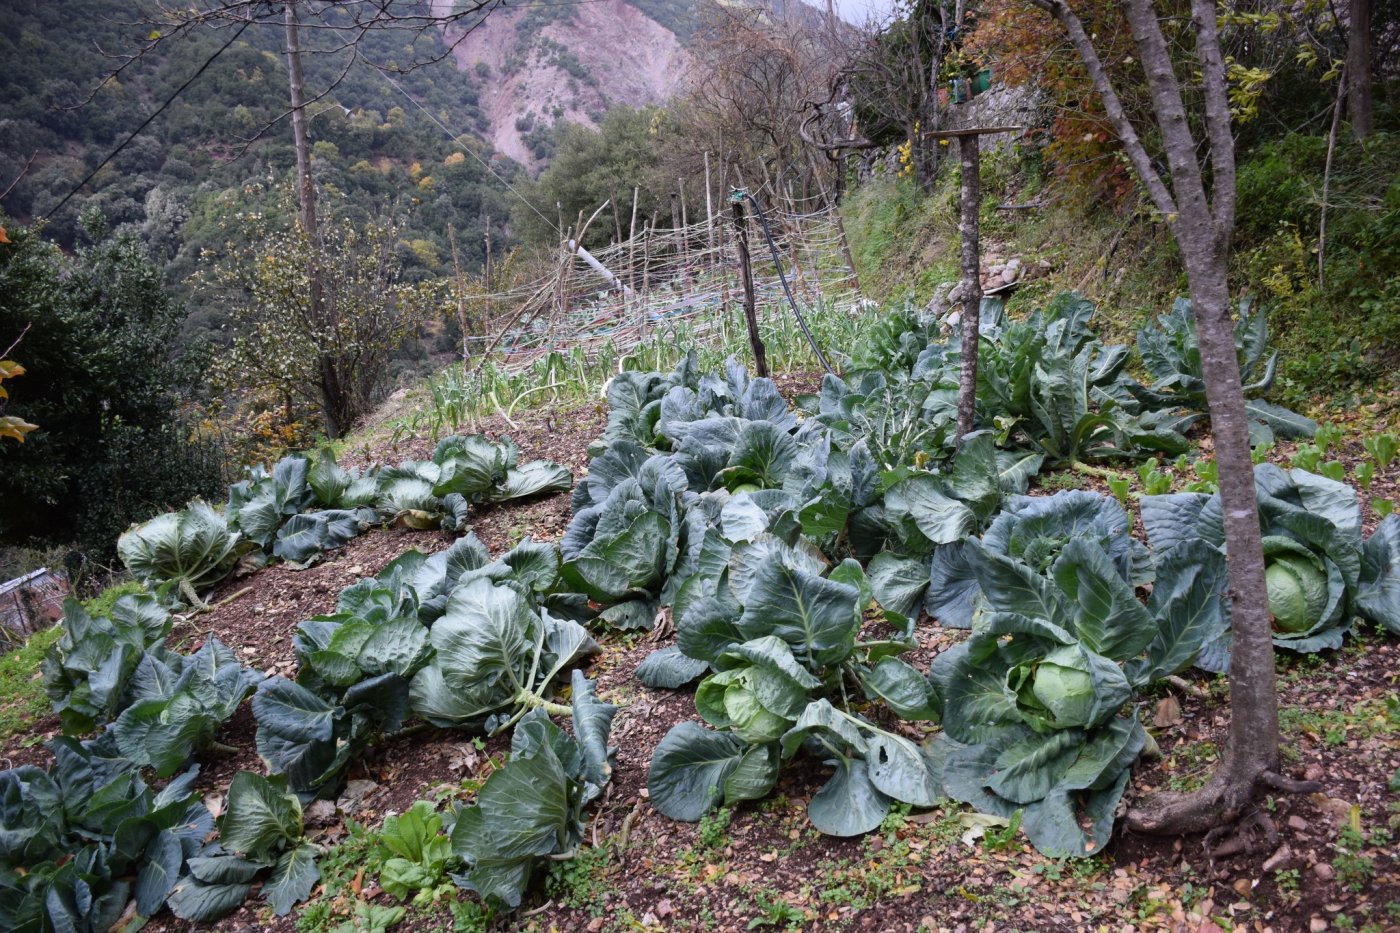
x,y
1003,838
582,881
713,829
342,867
1354,870
775,912
470,916
102,603
1062,480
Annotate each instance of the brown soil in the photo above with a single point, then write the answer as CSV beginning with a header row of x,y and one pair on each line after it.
x,y
763,866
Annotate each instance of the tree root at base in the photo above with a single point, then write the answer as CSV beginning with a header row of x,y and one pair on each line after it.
x,y
1219,805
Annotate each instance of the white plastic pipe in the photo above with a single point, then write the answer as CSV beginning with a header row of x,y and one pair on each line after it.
x,y
598,267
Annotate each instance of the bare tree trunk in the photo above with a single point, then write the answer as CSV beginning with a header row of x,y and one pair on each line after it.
x,y
1202,227
306,192
333,394
1358,66
970,154
1327,179
741,239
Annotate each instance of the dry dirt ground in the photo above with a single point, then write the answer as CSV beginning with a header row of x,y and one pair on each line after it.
x,y
762,866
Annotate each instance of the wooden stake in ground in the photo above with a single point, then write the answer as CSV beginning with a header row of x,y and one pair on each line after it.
x,y
970,153
969,232
741,238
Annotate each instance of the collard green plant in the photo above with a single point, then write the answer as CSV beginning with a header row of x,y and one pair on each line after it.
x,y
436,493
1034,701
260,839
532,807
1171,355
177,703
87,845
1321,574
495,659
193,549
88,673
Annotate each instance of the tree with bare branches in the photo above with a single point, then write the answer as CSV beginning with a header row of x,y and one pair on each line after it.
x,y
1195,195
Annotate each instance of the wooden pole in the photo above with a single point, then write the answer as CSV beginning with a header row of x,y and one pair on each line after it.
x,y
969,152
461,294
631,250
709,212
741,238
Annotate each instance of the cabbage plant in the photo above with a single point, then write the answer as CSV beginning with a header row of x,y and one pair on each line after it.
x,y
1033,530
781,643
437,493
1321,572
192,550
178,703
495,658
1036,711
1172,356
260,840
87,845
88,672
531,809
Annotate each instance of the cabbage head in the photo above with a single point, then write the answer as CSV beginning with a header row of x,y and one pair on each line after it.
x,y
759,693
1302,593
1070,687
193,548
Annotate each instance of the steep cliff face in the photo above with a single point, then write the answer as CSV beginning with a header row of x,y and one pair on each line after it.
x,y
543,64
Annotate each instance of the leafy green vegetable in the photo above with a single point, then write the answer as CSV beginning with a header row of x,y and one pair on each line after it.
x,y
1172,356
436,493
260,836
177,703
87,674
87,839
1033,700
193,549
533,806
417,853
496,659
1320,573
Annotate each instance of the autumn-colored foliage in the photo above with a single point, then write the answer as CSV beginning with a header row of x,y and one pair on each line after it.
x,y
1027,47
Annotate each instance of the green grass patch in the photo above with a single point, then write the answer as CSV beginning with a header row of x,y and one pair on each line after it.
x,y
22,697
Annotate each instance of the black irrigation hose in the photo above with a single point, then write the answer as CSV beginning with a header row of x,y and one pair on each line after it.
x,y
777,261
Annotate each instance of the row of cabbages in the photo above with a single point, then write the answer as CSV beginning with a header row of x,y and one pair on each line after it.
x,y
302,508
769,534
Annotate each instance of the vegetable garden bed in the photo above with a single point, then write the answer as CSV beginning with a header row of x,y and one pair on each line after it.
x,y
924,862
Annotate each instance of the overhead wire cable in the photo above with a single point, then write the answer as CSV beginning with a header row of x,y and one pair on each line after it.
x,y
782,276
147,122
456,138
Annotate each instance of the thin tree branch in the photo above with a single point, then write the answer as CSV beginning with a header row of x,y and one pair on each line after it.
x,y
1113,105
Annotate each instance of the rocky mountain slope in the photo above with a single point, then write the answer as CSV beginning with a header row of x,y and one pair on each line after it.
x,y
541,64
